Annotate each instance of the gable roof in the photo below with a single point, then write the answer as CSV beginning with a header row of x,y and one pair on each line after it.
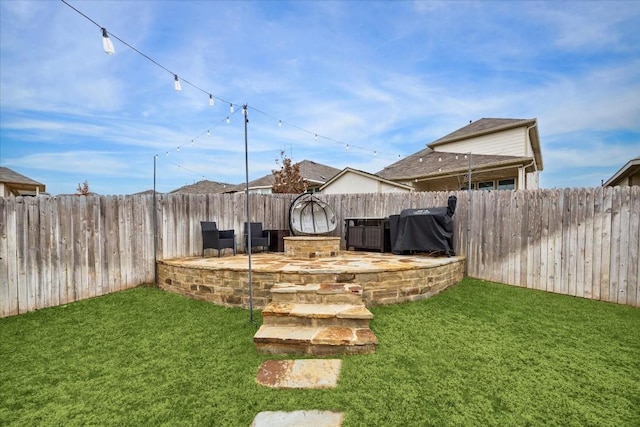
x,y
430,164
632,167
486,126
348,170
204,187
314,173
19,182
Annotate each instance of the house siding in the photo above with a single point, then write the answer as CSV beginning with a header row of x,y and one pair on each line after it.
x,y
511,142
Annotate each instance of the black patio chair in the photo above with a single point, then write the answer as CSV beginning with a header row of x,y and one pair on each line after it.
x,y
259,237
212,238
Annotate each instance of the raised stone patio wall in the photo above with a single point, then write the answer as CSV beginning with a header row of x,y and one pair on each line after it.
x,y
229,287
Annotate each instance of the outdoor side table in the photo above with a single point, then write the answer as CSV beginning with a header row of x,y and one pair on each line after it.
x,y
276,239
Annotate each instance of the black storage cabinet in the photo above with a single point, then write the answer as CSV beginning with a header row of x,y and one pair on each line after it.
x,y
367,234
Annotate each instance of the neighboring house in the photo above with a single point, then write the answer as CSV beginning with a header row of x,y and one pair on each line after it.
x,y
501,154
14,184
356,181
627,176
205,187
316,174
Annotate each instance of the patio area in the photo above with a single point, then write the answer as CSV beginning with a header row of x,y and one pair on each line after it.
x,y
384,277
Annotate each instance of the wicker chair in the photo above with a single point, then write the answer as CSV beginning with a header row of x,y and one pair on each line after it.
x,y
259,237
212,238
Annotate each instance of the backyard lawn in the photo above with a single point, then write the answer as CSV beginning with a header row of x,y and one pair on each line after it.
x,y
479,354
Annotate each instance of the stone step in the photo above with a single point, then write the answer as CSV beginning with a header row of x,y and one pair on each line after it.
x,y
329,340
315,315
321,293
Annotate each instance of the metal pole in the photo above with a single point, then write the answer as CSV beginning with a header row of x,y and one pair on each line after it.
x,y
246,196
155,226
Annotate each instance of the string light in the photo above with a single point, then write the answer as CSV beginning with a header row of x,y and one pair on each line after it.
x,y
228,120
208,133
107,45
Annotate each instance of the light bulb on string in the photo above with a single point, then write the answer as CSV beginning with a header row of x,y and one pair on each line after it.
x,y
347,147
279,123
375,154
208,133
211,101
176,83
107,45
193,143
228,120
231,110
316,137
178,149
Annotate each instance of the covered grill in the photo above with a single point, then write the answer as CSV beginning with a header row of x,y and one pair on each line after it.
x,y
423,230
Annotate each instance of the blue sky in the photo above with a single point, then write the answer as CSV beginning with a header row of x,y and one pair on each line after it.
x,y
373,80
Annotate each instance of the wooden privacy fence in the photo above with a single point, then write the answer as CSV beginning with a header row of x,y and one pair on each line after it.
x,y
55,250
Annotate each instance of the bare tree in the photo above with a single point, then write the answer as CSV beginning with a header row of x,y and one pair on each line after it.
x,y
288,179
83,189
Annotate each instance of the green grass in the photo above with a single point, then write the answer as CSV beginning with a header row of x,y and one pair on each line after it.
x,y
478,354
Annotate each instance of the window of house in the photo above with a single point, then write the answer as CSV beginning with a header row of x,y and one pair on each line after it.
x,y
485,186
507,184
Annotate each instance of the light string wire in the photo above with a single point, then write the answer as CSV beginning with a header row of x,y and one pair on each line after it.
x,y
235,106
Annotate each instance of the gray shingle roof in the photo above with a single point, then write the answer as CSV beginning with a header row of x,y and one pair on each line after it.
x,y
315,173
204,187
427,163
12,177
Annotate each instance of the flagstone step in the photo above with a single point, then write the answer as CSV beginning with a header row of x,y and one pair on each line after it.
x,y
314,340
315,315
327,293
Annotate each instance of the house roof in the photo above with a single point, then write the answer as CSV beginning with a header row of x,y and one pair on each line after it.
x,y
632,167
348,170
204,187
487,126
19,181
431,164
314,173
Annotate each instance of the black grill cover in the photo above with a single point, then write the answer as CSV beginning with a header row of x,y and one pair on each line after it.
x,y
423,230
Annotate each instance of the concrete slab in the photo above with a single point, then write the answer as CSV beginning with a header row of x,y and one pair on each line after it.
x,y
298,419
301,373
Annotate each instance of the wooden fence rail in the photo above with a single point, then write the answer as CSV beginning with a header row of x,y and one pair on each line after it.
x,y
55,250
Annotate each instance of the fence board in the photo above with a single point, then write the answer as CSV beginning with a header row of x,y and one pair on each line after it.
x,y
5,291
614,262
633,286
606,245
580,242
596,234
625,231
588,245
545,256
